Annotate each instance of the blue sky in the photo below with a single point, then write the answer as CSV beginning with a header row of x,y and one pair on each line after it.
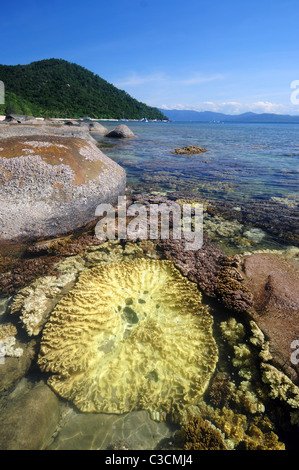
x,y
227,56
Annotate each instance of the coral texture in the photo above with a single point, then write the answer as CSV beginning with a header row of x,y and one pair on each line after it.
x,y
200,435
35,302
130,335
8,341
239,431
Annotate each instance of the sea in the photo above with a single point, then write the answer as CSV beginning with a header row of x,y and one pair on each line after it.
x,y
249,175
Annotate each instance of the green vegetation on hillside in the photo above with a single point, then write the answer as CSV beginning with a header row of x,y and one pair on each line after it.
x,y
57,88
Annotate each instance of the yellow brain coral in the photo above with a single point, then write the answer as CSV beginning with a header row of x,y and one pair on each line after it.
x,y
130,335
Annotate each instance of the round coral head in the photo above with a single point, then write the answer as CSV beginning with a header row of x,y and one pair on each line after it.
x,y
131,335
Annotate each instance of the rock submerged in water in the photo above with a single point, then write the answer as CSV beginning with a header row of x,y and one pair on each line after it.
x,y
28,422
273,283
121,132
189,150
52,178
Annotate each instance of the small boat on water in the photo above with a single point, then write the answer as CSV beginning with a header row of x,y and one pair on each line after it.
x,y
144,119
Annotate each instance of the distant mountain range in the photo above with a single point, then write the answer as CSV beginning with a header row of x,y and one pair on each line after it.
x,y
210,116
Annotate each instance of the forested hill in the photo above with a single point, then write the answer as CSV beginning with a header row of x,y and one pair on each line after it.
x,y
57,88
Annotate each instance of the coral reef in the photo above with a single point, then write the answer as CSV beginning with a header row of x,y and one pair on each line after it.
x,y
34,303
8,341
240,431
130,335
199,434
215,273
200,266
231,288
247,395
269,216
259,385
25,271
280,385
232,331
112,251
235,430
221,390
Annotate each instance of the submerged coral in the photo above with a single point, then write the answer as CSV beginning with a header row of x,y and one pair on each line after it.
x,y
200,435
26,271
220,392
34,303
8,341
281,386
239,431
235,430
130,335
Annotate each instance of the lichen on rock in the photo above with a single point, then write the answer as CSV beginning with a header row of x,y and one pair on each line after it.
x,y
52,184
131,335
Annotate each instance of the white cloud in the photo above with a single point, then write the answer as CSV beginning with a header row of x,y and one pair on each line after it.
x,y
190,91
267,107
235,107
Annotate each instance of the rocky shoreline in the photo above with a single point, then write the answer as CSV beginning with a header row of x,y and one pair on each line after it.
x,y
254,298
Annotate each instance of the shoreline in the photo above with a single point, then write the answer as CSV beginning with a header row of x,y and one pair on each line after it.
x,y
253,335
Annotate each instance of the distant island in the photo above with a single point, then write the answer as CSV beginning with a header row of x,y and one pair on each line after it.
x,y
58,88
210,116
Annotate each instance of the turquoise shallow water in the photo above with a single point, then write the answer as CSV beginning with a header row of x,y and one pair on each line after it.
x,y
249,173
243,161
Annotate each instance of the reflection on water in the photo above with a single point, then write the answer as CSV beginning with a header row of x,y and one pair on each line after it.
x,y
98,431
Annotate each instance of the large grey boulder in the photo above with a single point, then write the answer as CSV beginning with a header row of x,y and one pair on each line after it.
x,y
97,128
121,132
51,181
20,119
